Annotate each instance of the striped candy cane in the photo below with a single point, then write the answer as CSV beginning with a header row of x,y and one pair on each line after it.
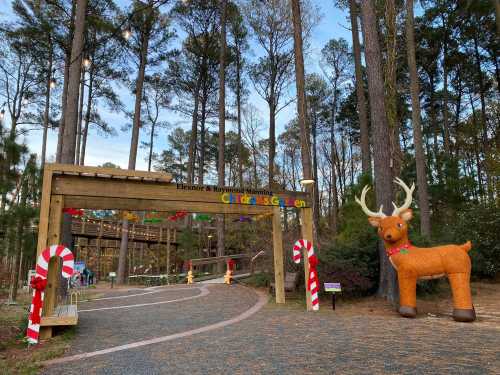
x,y
313,282
40,281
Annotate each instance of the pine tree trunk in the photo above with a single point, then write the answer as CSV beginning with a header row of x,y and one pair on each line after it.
x,y
360,91
481,91
222,122
70,120
194,134
255,178
14,282
391,85
70,107
87,116
151,140
272,140
484,120
497,15
80,119
139,87
476,151
14,279
423,197
446,129
122,258
316,207
458,103
333,182
46,113
435,129
201,160
334,205
238,117
64,96
305,146
380,135
351,160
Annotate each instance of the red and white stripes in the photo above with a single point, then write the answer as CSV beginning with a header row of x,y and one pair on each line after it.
x,y
313,282
39,282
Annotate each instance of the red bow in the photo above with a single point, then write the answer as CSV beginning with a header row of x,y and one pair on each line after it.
x,y
313,273
73,211
38,283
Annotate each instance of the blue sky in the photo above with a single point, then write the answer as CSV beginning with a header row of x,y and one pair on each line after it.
x,y
333,24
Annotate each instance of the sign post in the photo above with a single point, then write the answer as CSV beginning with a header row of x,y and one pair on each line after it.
x,y
333,287
112,276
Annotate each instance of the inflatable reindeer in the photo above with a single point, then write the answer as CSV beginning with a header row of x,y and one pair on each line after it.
x,y
412,263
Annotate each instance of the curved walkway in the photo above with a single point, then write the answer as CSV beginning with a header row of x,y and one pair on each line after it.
x,y
136,319
366,338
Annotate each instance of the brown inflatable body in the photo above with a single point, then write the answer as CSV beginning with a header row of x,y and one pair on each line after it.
x,y
412,263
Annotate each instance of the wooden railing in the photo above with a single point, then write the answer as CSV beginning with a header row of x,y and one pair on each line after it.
x,y
113,230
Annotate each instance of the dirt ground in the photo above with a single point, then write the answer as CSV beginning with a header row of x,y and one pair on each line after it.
x,y
486,298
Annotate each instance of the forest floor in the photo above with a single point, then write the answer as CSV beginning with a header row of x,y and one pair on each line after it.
x,y
208,329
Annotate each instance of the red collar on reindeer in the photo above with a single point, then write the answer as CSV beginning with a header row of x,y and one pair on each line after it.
x,y
403,249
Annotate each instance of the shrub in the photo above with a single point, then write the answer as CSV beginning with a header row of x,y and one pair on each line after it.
x,y
259,280
479,224
352,258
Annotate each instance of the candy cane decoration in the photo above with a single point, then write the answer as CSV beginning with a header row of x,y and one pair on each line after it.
x,y
39,282
313,282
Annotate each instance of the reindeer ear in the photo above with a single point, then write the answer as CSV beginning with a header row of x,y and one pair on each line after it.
x,y
406,215
374,221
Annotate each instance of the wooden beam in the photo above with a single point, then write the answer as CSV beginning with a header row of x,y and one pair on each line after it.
x,y
279,278
306,220
107,172
53,238
99,187
113,203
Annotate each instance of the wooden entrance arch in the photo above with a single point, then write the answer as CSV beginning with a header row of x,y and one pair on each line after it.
x,y
66,186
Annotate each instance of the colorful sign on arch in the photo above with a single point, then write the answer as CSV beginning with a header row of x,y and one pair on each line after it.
x,y
261,197
261,200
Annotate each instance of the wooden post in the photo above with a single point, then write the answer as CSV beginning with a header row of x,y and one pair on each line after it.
x,y
43,224
306,219
129,265
53,238
98,249
160,248
279,277
168,255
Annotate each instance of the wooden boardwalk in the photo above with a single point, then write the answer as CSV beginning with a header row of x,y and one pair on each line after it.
x,y
108,229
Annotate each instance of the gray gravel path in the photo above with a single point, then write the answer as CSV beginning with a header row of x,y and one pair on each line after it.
x,y
282,340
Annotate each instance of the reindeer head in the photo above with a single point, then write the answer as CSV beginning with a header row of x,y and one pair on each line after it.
x,y
391,229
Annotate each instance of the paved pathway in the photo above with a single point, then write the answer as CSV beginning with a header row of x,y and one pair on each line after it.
x,y
272,340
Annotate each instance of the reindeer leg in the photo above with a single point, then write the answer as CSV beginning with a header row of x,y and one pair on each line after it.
x,y
407,295
463,311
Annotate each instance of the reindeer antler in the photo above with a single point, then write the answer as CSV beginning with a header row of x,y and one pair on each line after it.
x,y
365,209
408,199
